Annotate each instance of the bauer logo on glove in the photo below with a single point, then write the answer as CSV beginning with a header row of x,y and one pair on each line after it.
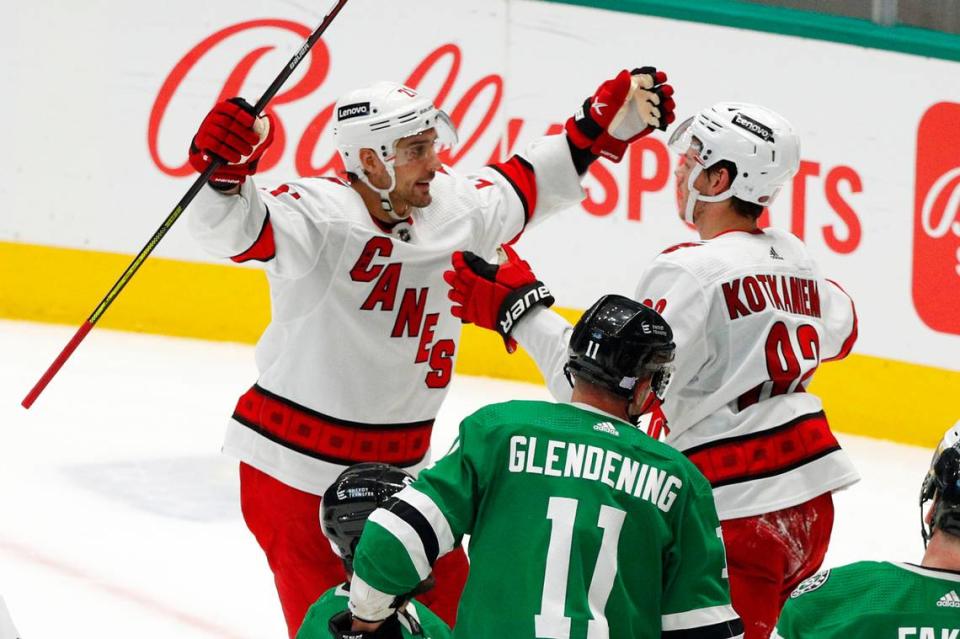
x,y
494,296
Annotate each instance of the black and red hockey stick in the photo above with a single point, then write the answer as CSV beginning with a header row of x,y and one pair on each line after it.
x,y
173,217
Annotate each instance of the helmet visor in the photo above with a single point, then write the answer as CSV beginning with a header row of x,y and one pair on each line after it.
x,y
427,146
681,137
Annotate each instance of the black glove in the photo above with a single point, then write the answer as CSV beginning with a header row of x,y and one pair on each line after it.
x,y
342,622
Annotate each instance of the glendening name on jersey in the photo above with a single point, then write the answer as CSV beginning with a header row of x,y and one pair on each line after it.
x,y
874,599
580,526
581,461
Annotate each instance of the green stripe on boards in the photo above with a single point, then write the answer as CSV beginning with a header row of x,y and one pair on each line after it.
x,y
791,22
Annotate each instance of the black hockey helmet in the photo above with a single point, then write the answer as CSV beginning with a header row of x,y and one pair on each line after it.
x,y
357,492
619,341
942,483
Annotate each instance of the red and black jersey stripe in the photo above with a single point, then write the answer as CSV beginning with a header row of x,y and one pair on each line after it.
x,y
520,175
330,439
765,454
263,248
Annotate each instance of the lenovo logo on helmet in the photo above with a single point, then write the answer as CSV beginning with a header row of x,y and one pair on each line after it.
x,y
353,111
751,125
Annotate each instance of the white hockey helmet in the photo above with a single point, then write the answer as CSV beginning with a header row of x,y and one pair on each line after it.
x,y
376,117
759,142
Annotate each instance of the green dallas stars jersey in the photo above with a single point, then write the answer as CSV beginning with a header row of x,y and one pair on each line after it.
x,y
580,526
316,623
874,599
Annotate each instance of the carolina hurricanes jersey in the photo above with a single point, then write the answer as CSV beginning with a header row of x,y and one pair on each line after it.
x,y
361,345
753,319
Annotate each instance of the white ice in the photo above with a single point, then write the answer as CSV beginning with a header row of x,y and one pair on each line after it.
x,y
119,516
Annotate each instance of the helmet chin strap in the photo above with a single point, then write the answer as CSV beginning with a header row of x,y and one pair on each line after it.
x,y
695,196
385,193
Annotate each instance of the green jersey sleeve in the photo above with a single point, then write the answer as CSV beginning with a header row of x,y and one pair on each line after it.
x,y
426,520
697,593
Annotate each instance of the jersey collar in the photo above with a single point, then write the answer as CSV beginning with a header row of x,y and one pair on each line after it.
x,y
753,232
594,409
936,573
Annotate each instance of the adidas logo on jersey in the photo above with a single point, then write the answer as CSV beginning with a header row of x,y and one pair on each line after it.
x,y
606,427
949,600
774,255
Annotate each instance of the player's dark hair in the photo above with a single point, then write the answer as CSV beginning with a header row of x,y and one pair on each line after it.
x,y
741,207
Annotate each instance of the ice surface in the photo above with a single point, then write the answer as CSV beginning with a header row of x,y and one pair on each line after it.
x,y
119,517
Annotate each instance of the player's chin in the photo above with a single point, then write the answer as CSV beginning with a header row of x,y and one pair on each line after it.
x,y
421,196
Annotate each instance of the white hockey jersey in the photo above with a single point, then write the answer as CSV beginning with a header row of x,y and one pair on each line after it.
x,y
752,318
361,346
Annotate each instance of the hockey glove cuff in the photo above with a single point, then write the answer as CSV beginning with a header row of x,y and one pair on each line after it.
x,y
494,296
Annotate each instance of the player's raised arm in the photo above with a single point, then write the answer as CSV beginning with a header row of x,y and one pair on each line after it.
x,y
232,218
403,539
545,177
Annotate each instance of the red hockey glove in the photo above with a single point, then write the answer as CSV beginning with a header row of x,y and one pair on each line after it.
x,y
623,109
231,133
494,296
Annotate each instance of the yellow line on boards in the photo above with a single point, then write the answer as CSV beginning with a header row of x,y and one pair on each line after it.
x,y
862,395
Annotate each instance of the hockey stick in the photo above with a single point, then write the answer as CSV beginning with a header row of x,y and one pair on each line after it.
x,y
173,216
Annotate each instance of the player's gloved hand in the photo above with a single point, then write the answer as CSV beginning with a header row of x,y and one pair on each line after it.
x,y
231,133
494,296
341,627
623,109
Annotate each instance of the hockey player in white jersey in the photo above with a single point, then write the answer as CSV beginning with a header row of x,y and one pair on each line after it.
x,y
361,345
753,318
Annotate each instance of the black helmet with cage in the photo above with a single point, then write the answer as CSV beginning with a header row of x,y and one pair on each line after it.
x,y
619,342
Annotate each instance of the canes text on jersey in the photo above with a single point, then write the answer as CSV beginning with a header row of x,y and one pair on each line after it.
x,y
752,294
411,321
582,461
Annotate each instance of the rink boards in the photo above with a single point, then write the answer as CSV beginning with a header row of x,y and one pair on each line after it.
x,y
877,198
